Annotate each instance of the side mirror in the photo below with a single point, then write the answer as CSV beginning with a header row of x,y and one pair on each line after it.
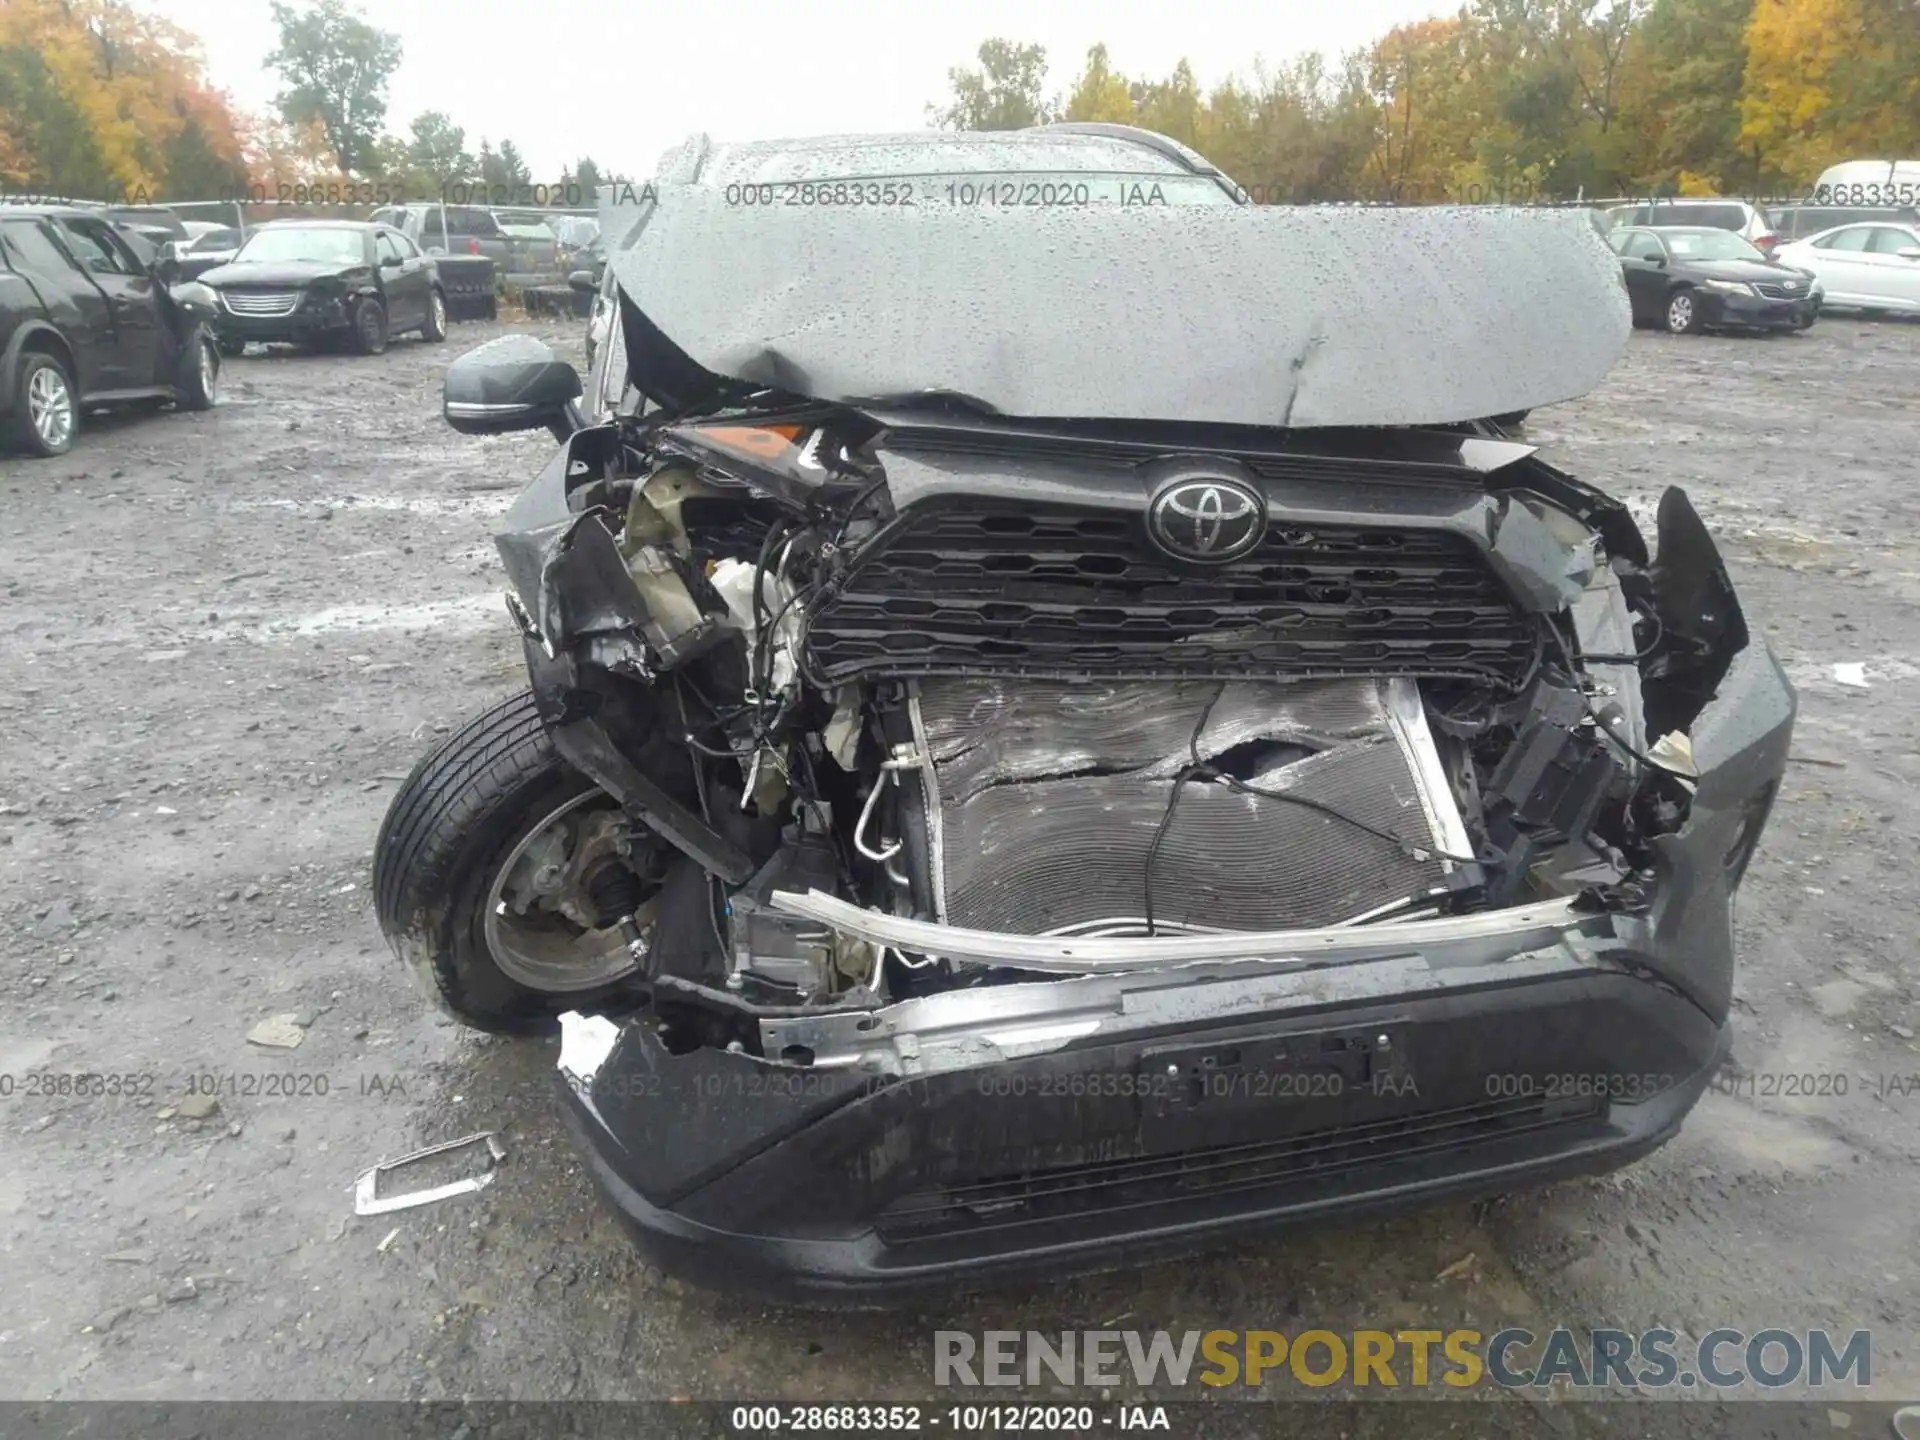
x,y
511,383
166,269
1908,252
1659,260
582,280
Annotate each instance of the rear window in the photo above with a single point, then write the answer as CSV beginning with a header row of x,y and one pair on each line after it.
x,y
1681,212
152,217
1798,220
465,220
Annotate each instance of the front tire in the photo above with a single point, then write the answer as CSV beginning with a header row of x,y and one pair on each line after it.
x,y
369,327
460,825
435,330
1683,313
198,377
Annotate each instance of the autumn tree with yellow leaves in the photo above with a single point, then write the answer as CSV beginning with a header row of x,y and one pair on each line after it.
x,y
1830,80
1525,99
98,99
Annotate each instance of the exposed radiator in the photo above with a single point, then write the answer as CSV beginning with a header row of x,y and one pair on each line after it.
x,y
1045,797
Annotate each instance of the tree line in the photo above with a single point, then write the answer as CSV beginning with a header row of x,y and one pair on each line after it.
x,y
1520,100
1511,99
101,100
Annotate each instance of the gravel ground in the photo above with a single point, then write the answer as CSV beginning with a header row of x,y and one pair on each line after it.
x,y
228,636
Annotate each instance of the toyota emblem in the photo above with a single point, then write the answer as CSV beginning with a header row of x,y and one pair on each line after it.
x,y
1210,519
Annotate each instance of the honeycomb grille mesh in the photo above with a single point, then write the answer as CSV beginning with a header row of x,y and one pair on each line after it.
x,y
1068,591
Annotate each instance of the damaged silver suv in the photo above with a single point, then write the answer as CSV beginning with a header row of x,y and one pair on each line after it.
x,y
1056,738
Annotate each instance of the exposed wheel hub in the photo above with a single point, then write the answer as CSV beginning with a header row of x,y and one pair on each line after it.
x,y
554,917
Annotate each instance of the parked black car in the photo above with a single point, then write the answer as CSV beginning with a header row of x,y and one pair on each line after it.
x,y
90,318
1688,278
985,804
323,282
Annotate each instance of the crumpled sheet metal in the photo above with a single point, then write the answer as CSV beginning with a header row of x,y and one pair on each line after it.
x,y
1053,796
991,732
1254,315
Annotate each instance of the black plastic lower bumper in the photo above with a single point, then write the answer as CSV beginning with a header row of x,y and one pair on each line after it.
x,y
849,1187
1758,312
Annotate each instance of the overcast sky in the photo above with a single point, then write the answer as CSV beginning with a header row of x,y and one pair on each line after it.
x,y
623,81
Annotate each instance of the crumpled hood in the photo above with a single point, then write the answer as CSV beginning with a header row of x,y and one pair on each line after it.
x,y
1250,315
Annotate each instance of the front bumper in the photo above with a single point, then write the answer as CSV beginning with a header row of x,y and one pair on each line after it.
x,y
1241,1084
1282,1106
1757,312
312,316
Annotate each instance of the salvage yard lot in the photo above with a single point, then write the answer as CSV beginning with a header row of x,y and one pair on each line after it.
x,y
227,636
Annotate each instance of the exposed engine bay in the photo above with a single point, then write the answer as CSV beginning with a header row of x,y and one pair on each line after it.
x,y
1047,684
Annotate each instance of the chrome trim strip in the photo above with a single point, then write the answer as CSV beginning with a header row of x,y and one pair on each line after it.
x,y
1085,956
475,407
1408,718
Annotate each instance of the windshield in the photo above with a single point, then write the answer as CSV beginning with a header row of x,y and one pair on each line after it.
x,y
1708,245
321,247
214,240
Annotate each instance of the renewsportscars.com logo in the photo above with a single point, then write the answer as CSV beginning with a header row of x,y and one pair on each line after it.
x,y
1659,1359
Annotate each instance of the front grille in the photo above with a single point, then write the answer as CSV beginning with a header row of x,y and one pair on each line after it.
x,y
260,302
1781,290
1064,1191
1068,591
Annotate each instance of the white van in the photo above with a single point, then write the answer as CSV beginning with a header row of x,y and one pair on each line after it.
x,y
1868,182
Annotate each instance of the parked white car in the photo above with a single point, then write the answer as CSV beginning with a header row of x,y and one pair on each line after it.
x,y
1747,221
1862,267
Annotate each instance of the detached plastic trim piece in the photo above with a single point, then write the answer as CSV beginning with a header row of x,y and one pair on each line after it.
x,y
367,1199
